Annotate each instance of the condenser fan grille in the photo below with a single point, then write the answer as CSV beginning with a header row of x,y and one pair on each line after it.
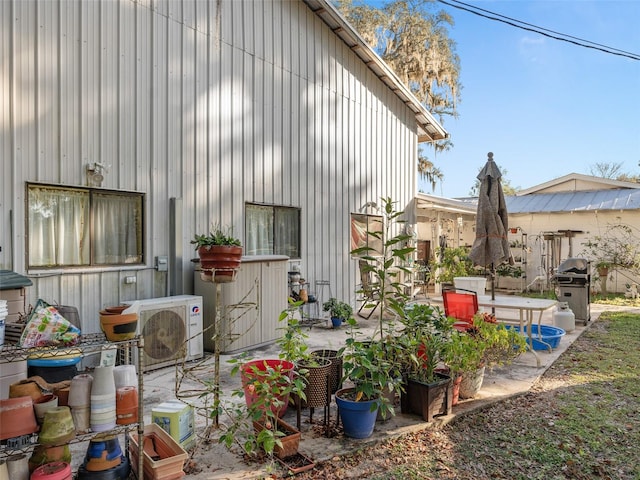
x,y
164,334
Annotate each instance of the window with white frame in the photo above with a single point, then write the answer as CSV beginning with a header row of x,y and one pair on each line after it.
x,y
272,230
362,225
76,226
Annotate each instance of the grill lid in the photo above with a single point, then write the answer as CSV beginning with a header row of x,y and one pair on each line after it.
x,y
574,265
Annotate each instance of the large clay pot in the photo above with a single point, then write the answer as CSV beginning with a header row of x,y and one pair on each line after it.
x,y
126,405
219,263
103,453
53,471
17,417
43,455
118,327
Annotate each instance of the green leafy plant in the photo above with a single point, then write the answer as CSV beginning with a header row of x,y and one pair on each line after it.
x,y
423,341
367,364
454,262
258,426
217,236
338,309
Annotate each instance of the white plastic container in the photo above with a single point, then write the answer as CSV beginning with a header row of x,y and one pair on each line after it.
x,y
564,318
475,284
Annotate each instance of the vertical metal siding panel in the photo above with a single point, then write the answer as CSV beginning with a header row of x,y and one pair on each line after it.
x,y
258,27
267,19
234,177
127,129
189,129
8,163
189,14
25,95
90,87
226,136
47,91
248,126
259,132
266,100
108,121
69,104
237,20
226,26
249,28
194,183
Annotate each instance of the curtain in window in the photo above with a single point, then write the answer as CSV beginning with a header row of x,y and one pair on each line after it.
x,y
58,227
287,223
259,230
116,221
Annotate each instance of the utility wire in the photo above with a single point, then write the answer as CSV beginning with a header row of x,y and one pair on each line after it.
x,y
555,35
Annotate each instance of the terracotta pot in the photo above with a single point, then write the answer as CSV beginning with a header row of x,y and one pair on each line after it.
x,y
25,388
220,261
118,327
17,417
126,405
63,396
290,440
57,428
117,309
53,471
43,455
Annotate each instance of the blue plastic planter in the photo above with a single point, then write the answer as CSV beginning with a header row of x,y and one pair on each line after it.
x,y
358,420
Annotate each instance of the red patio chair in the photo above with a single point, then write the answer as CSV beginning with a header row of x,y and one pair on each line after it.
x,y
462,305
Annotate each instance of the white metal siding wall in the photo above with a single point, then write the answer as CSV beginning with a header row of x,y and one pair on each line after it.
x,y
215,102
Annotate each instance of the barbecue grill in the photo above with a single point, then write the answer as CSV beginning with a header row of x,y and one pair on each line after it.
x,y
573,282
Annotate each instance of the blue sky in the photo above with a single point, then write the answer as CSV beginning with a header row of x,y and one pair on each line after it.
x,y
545,108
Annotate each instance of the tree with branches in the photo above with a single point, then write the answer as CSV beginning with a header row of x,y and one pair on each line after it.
x,y
412,37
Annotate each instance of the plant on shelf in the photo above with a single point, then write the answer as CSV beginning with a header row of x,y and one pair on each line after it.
x,y
220,254
338,310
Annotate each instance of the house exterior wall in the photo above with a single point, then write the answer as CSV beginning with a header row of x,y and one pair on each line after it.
x,y
203,106
541,262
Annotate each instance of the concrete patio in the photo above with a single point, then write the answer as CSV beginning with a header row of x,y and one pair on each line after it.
x,y
213,461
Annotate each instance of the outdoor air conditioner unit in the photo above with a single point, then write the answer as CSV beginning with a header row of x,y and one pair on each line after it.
x,y
171,328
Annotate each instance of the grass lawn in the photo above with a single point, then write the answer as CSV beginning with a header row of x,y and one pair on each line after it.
x,y
580,421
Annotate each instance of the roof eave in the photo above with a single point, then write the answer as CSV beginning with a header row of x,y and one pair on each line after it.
x,y
429,129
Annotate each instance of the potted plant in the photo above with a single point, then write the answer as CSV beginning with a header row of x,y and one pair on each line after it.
x,y
424,340
367,366
487,344
266,386
220,254
314,370
339,311
454,262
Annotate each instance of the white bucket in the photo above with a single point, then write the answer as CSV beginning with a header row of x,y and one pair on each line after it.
x,y
475,284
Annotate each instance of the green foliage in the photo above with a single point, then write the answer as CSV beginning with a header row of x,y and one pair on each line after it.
x,y
338,309
217,236
619,247
454,262
424,341
367,364
270,385
293,343
506,270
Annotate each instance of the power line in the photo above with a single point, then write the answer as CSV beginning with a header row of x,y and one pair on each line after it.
x,y
540,30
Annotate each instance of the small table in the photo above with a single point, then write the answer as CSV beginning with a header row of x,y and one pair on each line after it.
x,y
526,307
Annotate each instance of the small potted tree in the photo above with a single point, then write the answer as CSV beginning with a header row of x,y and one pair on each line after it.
x,y
220,254
339,311
424,340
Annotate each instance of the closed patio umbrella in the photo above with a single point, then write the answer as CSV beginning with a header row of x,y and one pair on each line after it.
x,y
491,247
